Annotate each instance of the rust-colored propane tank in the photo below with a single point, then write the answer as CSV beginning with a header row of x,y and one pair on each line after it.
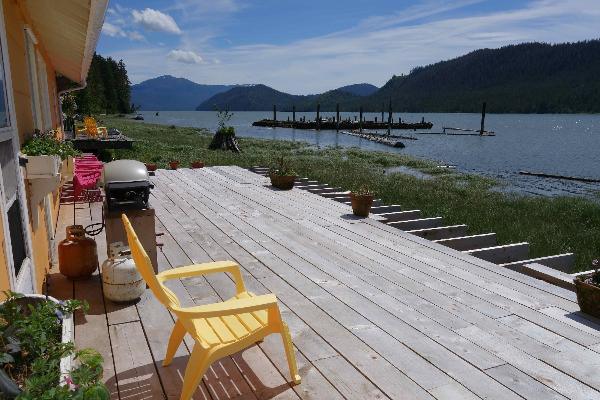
x,y
77,254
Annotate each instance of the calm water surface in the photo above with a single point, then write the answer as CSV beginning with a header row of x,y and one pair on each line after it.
x,y
556,144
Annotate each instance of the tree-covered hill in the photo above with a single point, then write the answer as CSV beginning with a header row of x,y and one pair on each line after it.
x,y
524,78
169,93
262,97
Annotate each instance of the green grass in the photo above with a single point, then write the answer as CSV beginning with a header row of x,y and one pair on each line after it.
x,y
550,225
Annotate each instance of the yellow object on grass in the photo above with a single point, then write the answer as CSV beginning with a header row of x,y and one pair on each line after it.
x,y
91,128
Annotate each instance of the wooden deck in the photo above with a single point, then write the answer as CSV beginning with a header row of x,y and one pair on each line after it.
x,y
374,312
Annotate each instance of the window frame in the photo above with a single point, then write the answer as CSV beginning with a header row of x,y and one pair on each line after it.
x,y
11,132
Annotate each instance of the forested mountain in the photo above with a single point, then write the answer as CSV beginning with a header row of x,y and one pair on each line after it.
x,y
169,93
359,89
262,97
107,90
524,78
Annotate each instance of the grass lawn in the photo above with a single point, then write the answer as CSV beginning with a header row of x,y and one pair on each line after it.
x,y
550,225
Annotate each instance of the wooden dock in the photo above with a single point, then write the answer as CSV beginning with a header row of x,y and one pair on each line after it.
x,y
374,312
332,125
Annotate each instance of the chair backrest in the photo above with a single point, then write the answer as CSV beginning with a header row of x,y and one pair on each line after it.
x,y
90,125
144,266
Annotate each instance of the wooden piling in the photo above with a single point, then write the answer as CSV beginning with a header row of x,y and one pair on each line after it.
x,y
337,117
318,116
483,107
293,113
389,130
382,110
274,112
361,119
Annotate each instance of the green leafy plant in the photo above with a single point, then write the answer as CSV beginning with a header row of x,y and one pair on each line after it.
x,y
282,168
68,105
223,117
594,278
228,131
48,146
362,190
31,349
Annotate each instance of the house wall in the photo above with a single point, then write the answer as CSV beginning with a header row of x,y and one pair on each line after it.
x,y
15,22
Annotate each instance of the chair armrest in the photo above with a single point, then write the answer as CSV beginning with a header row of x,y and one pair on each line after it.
x,y
229,307
203,269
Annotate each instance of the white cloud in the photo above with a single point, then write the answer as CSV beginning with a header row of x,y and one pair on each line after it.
x,y
372,52
185,56
112,30
205,9
154,20
136,36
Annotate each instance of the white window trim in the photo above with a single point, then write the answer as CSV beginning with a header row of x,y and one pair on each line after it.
x,y
44,92
36,102
11,132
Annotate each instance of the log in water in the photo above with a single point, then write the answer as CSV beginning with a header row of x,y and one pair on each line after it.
x,y
552,176
376,138
333,125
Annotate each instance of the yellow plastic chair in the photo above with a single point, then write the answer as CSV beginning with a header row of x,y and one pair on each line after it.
x,y
91,128
219,329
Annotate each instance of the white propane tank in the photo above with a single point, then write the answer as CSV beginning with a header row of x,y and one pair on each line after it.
x,y
121,280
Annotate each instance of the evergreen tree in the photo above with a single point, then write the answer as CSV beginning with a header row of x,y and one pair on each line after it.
x,y
108,88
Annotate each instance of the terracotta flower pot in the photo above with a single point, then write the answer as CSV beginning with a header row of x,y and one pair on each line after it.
x,y
197,164
174,164
361,204
588,297
151,167
283,182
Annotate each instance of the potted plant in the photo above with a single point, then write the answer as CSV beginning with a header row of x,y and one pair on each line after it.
x,y
588,291
174,164
36,352
151,167
153,164
197,164
45,154
362,200
282,175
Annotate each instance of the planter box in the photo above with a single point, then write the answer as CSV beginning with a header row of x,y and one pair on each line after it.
x,y
43,166
588,297
68,329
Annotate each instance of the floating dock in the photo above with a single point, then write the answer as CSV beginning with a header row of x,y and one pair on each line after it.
x,y
333,125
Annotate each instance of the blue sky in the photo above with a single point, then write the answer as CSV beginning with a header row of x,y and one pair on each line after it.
x,y
311,46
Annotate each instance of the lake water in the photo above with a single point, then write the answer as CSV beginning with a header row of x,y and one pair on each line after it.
x,y
554,144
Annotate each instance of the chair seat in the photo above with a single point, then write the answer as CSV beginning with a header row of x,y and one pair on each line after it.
x,y
231,328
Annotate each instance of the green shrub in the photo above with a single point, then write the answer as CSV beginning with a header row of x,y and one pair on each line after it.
x,y
31,349
46,146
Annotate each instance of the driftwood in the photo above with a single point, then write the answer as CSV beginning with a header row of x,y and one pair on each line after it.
x,y
224,140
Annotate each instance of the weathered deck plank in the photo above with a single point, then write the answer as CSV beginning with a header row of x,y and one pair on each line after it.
x,y
374,312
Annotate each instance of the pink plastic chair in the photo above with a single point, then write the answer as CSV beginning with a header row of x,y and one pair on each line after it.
x,y
87,172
